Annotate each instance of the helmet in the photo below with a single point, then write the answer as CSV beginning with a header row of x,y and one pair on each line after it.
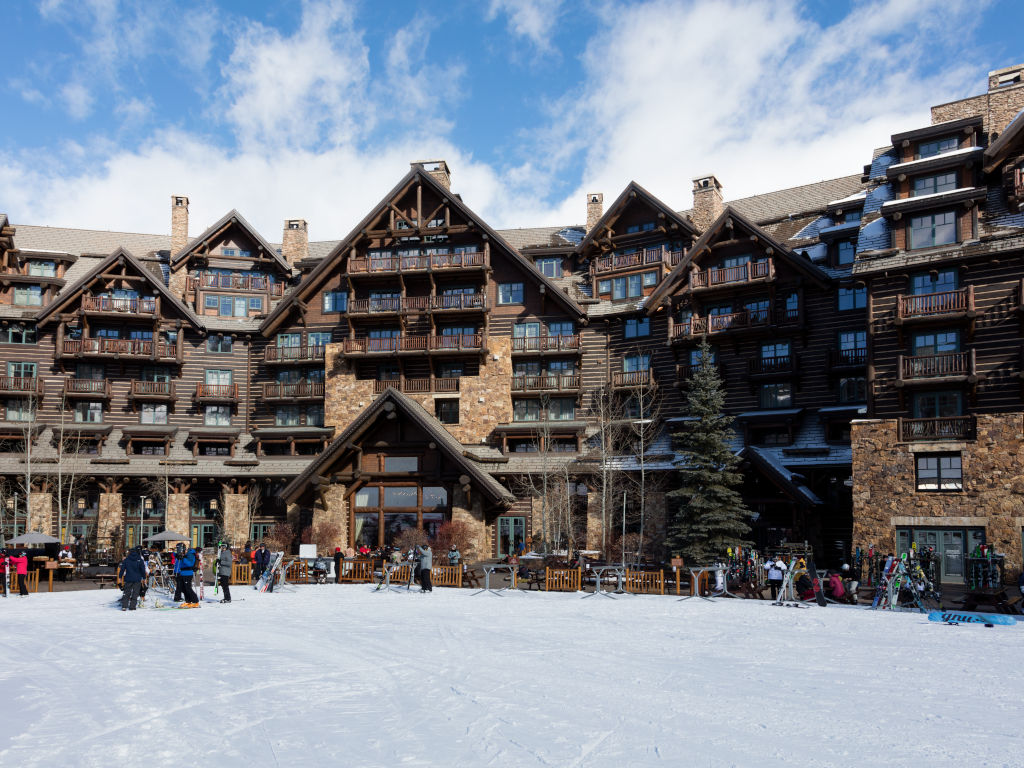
x,y
452,547
23,553
846,566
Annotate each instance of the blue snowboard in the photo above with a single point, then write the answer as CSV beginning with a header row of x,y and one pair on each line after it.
x,y
966,617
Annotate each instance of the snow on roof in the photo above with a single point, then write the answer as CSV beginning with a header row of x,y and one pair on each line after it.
x,y
951,153
933,195
855,196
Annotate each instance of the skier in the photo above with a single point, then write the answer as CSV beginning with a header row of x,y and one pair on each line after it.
x,y
179,553
186,570
133,572
20,564
425,561
224,564
453,555
776,575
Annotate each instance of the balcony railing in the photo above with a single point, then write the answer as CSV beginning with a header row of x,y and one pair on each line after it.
x,y
925,305
119,348
744,319
421,385
215,282
97,388
751,272
546,383
1018,183
152,389
141,306
458,301
948,365
638,258
763,366
631,379
422,263
303,390
388,305
460,342
684,371
216,391
940,428
294,354
21,385
569,343
847,358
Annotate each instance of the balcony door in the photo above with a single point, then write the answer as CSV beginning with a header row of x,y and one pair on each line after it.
x,y
936,343
934,283
938,405
89,371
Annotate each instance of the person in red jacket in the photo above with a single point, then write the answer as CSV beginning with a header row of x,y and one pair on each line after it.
x,y
20,564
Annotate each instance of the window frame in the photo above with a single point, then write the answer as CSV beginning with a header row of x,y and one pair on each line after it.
x,y
956,481
507,293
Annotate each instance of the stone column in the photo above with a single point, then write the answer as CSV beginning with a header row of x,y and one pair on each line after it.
x,y
109,517
292,516
177,516
236,518
470,511
40,513
333,509
595,525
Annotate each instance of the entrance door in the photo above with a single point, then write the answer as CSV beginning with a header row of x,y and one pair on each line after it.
x,y
510,531
952,556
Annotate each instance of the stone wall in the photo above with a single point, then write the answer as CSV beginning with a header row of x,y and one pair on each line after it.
x,y
885,495
997,108
177,517
470,511
40,513
108,518
332,508
236,518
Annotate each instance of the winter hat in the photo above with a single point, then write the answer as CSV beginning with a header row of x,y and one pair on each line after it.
x,y
337,549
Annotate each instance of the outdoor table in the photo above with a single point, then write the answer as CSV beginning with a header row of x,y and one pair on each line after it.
x,y
696,571
599,571
489,569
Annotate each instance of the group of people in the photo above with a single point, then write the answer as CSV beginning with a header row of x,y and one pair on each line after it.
x,y
15,565
836,587
133,574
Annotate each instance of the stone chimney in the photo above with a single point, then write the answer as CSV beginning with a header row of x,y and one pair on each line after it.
x,y
295,241
707,201
438,169
179,223
595,209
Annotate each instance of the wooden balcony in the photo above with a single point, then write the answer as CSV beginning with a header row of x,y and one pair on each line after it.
x,y
633,379
941,428
459,302
131,349
216,393
753,272
422,385
851,360
388,306
377,265
87,389
293,355
640,258
151,390
944,306
945,368
460,342
546,383
22,386
772,367
744,320
245,283
104,305
532,345
684,371
303,390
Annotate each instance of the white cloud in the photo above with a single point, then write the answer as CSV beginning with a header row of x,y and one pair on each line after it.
x,y
530,19
77,99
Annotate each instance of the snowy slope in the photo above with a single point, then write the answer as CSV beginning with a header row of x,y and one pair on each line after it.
x,y
345,676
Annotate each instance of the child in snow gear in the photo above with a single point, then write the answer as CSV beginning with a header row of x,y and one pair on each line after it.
x,y
224,564
186,570
132,571
453,555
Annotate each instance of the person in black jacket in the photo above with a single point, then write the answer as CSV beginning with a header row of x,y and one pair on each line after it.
x,y
262,560
186,570
133,571
337,565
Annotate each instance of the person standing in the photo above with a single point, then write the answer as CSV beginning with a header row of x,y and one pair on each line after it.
x,y
132,572
186,570
776,575
20,564
425,561
454,555
337,565
224,564
261,559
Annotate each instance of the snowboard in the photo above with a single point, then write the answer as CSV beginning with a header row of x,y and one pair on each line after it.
x,y
819,594
967,617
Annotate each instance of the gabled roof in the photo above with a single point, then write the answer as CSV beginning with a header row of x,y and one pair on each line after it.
x,y
634,191
322,270
231,217
75,290
791,483
414,412
1001,147
813,271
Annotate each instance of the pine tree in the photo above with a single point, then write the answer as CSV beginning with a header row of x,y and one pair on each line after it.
x,y
706,512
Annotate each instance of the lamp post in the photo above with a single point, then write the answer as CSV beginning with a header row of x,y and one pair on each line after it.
x,y
142,516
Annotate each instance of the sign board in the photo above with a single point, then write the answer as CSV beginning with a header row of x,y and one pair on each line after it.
x,y
307,551
677,562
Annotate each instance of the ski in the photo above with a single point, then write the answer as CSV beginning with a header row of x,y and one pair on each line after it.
x,y
969,617
819,594
266,579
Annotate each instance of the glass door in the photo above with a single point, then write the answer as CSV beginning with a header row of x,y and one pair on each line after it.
x,y
952,560
511,531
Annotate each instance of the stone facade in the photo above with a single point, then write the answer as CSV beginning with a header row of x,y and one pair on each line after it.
x,y
236,518
466,508
885,496
40,513
997,108
295,241
331,507
108,519
177,519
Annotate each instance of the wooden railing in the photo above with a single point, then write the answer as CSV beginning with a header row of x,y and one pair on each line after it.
x,y
145,305
208,281
356,572
380,305
747,318
766,365
420,263
686,370
218,391
241,573
21,385
1018,183
752,271
644,582
130,347
562,579
638,258
417,385
304,389
937,366
546,382
458,301
459,342
545,343
294,354
939,428
98,387
152,388
932,304
632,378
847,358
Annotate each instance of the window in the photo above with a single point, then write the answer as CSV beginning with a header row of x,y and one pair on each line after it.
x,y
930,185
523,445
772,351
853,346
88,413
562,445
933,229
435,496
368,497
853,389
845,252
550,267
936,147
19,409
318,339
938,282
211,302
629,287
938,343
525,410
28,295
561,328
510,293
401,463
769,436
287,416
217,416
42,268
18,334
939,472
776,395
793,306
937,405
21,370
153,413
853,298
400,496
650,278
637,362
335,301
220,344
314,415
644,226
604,286
255,303
218,376
447,411
638,326
148,448
852,216
562,409
214,449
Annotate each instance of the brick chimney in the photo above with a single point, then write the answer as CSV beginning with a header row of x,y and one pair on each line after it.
x,y
707,201
595,209
295,241
438,169
179,223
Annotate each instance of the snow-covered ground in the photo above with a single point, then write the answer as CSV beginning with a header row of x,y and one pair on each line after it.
x,y
345,676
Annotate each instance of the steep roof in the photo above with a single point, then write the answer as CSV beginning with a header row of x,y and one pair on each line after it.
x,y
414,412
806,198
231,217
78,241
634,191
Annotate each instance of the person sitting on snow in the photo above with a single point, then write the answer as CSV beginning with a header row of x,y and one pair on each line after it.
x,y
836,590
804,588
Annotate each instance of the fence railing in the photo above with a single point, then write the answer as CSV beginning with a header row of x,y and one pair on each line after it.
x,y
562,579
225,391
546,383
938,428
417,263
129,347
21,384
98,387
932,304
644,582
545,343
145,305
632,378
743,273
141,388
291,354
936,366
417,385
356,571
777,364
261,284
279,391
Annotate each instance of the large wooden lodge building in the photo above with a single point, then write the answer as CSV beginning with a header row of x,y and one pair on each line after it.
x,y
869,330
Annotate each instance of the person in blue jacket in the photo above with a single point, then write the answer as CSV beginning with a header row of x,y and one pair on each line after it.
x,y
133,572
186,569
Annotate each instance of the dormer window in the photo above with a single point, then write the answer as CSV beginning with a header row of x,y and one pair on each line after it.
x,y
936,147
933,229
845,252
42,268
853,216
645,226
932,185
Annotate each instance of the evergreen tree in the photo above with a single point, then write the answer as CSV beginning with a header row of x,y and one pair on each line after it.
x,y
706,512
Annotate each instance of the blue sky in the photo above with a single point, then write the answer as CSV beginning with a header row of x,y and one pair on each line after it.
x,y
314,109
